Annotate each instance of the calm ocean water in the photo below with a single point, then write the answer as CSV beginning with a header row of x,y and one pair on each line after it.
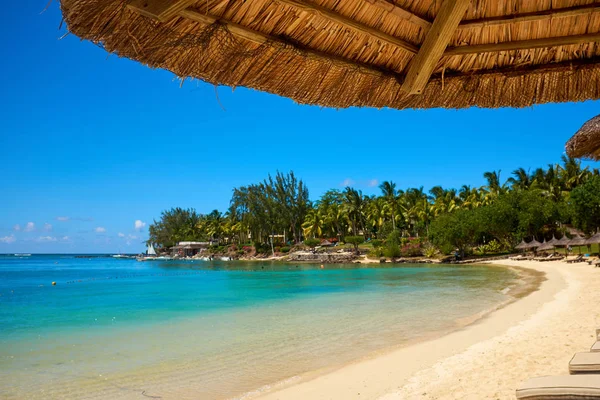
x,y
120,329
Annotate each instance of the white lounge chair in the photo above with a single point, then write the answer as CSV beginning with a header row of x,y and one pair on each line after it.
x,y
569,387
595,348
583,363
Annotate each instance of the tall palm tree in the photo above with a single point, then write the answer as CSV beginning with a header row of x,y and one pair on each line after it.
x,y
388,189
376,213
493,181
313,224
521,180
354,205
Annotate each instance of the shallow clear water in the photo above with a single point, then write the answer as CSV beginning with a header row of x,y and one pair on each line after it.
x,y
211,330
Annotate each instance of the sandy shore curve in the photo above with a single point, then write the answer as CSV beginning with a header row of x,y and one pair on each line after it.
x,y
536,335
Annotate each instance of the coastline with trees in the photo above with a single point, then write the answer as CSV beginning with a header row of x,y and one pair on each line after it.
x,y
276,216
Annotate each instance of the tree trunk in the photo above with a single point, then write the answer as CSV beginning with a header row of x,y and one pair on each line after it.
x,y
272,248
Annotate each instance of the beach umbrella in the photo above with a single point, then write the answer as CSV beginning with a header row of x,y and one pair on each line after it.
x,y
594,239
553,241
545,246
563,241
533,244
586,142
357,53
577,241
522,246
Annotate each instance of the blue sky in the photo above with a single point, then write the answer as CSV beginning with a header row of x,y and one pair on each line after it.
x,y
93,146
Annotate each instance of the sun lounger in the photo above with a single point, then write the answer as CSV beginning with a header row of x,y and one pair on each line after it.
x,y
583,363
569,387
574,259
595,347
549,258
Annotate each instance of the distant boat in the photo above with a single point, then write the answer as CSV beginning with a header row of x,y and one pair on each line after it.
x,y
225,258
22,255
151,255
121,256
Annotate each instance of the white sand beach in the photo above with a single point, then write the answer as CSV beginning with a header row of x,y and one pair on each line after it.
x,y
536,335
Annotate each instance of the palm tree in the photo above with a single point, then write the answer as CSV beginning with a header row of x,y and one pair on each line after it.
x,y
354,205
375,213
571,173
388,189
521,179
313,224
493,181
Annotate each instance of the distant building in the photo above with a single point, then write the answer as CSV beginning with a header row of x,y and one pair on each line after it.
x,y
188,249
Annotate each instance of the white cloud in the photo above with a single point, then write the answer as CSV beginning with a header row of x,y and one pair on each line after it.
x,y
347,182
7,239
121,234
65,238
373,183
47,227
100,229
139,224
133,237
65,218
17,227
46,239
30,227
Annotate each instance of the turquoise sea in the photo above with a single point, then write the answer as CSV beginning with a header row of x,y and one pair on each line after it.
x,y
122,329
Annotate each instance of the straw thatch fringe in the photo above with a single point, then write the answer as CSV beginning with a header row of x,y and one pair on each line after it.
x,y
322,74
586,142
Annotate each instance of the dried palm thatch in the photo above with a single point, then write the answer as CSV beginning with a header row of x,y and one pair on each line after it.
x,y
545,246
586,142
378,53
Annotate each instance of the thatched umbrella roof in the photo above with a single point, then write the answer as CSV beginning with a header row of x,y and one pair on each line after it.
x,y
545,246
533,244
594,239
586,142
553,241
577,241
563,241
522,246
377,53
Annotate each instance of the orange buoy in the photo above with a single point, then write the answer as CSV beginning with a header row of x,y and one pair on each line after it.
x,y
322,266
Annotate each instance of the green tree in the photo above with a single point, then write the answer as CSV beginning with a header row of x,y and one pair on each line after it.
x,y
459,229
388,189
355,241
392,245
312,243
585,203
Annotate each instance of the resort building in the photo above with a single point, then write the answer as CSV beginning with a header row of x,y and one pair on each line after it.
x,y
188,249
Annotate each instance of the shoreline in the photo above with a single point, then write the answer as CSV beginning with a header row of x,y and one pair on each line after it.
x,y
388,375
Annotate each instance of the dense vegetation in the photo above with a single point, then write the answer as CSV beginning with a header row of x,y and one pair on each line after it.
x,y
277,213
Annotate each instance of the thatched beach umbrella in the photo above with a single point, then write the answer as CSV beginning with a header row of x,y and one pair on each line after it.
x,y
534,244
594,239
577,240
522,246
586,142
375,53
553,241
545,246
563,241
